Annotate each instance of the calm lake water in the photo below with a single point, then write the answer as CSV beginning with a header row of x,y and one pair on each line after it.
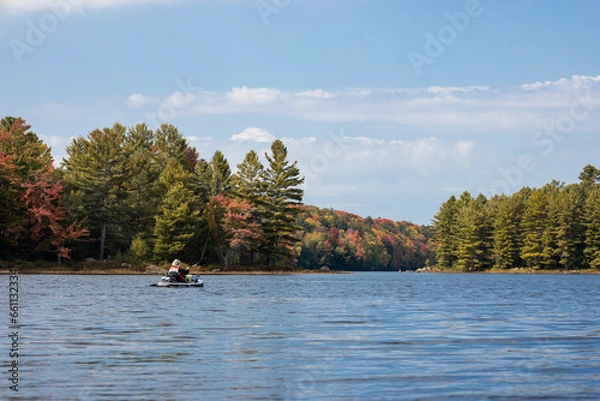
x,y
375,336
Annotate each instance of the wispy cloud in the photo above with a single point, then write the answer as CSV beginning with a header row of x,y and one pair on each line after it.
x,y
353,153
136,100
23,6
469,109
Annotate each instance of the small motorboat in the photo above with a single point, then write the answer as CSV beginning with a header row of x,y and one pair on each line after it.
x,y
192,280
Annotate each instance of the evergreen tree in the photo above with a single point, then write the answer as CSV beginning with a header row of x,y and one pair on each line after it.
x,y
95,172
283,194
202,181
507,235
445,233
141,182
170,144
533,227
248,185
592,228
474,235
571,232
550,257
220,174
177,218
590,175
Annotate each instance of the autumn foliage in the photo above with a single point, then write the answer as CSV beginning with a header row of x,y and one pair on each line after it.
x,y
137,194
34,216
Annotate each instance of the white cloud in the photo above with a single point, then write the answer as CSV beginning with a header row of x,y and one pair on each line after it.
x,y
316,94
328,160
201,139
137,100
575,81
65,7
245,95
254,134
180,99
461,89
470,109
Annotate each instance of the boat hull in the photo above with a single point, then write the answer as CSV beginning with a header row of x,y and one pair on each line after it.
x,y
162,284
166,282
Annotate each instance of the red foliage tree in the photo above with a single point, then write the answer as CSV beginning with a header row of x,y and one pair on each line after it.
x,y
232,226
47,215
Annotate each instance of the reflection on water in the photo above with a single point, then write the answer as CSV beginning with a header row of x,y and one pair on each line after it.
x,y
357,336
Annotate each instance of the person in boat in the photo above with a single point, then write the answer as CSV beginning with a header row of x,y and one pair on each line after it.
x,y
176,272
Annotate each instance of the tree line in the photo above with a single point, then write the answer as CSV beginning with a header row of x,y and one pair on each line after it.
x,y
553,227
136,194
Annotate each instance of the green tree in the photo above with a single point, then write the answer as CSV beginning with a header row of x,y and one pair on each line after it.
x,y
248,185
533,227
283,194
170,144
139,249
248,182
95,171
571,233
474,235
142,191
445,231
592,228
590,174
507,236
178,215
220,174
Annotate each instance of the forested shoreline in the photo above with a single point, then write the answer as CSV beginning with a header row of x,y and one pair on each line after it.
x,y
138,195
556,227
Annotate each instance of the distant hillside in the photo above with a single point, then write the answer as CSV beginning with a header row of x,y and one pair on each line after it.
x,y
344,241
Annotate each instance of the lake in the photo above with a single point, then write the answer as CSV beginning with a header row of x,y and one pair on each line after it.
x,y
375,336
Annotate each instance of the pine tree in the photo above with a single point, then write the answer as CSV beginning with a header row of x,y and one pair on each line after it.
x,y
570,236
95,172
220,174
550,257
248,183
592,228
533,227
248,186
283,195
445,233
474,235
590,175
141,182
507,236
170,144
177,218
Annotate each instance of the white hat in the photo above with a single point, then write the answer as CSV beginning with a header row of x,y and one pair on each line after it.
x,y
176,262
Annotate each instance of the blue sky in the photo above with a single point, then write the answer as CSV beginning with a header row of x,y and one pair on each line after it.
x,y
389,106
